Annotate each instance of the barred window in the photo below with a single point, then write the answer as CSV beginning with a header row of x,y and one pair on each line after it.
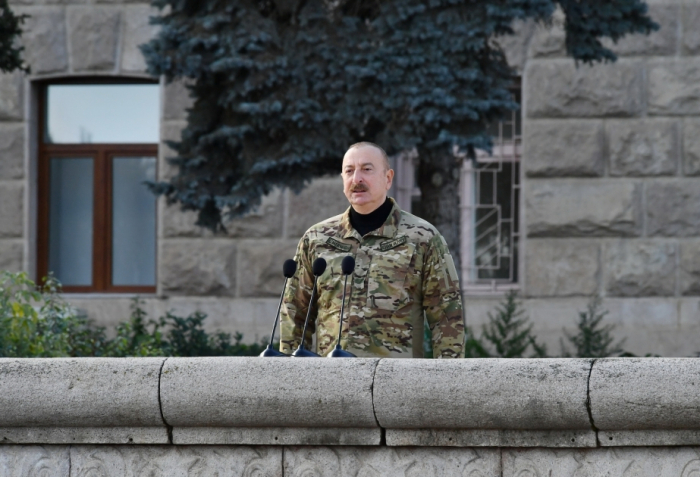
x,y
490,209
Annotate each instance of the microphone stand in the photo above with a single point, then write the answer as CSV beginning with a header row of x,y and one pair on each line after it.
x,y
271,352
339,352
301,351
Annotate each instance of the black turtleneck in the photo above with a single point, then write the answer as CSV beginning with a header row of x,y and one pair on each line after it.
x,y
365,223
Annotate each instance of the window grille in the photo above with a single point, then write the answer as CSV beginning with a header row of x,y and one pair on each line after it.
x,y
490,209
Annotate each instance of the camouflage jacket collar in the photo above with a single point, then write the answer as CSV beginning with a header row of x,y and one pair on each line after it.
x,y
389,229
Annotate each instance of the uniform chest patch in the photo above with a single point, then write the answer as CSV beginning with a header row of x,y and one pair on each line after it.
x,y
345,247
384,246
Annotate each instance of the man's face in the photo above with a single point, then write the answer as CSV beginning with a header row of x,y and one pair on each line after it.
x,y
366,179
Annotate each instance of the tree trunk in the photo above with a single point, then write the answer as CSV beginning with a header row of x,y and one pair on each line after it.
x,y
438,179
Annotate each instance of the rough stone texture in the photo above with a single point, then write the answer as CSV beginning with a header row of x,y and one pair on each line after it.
x,y
583,208
11,97
44,39
656,437
89,392
663,42
649,325
84,435
674,87
34,461
638,393
11,255
176,100
515,46
643,148
137,31
252,317
473,394
563,148
307,436
394,462
11,151
691,34
556,267
691,146
488,438
11,209
260,267
264,222
94,35
170,131
640,268
323,198
690,268
620,462
560,89
673,208
667,326
197,267
176,461
342,391
548,41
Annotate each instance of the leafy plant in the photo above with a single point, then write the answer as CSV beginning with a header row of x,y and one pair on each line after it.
x,y
507,334
592,339
36,321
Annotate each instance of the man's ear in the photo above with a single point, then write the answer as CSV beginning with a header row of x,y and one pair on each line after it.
x,y
389,178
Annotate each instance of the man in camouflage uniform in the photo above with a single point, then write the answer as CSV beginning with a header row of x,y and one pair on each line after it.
x,y
403,270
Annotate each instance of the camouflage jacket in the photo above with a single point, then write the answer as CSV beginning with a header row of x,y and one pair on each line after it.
x,y
402,270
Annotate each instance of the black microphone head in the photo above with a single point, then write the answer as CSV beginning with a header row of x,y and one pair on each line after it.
x,y
348,265
319,266
289,268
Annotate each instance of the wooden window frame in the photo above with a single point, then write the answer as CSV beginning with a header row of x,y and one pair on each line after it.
x,y
102,155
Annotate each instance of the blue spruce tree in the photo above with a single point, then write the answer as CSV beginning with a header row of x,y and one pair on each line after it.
x,y
282,87
10,31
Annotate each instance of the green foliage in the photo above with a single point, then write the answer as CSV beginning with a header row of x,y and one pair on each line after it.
x,y
282,87
507,334
36,322
10,31
592,339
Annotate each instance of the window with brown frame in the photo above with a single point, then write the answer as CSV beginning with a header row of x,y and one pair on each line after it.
x,y
98,145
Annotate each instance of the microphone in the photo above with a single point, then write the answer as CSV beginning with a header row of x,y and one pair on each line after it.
x,y
289,267
318,267
348,266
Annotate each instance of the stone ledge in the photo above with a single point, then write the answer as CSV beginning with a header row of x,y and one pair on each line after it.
x,y
555,403
83,435
489,438
307,436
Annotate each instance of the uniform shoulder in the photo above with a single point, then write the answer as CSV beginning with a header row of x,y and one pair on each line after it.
x,y
324,227
411,224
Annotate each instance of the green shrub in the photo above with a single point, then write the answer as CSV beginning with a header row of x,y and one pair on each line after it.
x,y
592,339
36,322
507,334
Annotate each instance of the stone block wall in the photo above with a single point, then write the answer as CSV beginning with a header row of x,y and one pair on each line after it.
x,y
234,277
611,193
610,188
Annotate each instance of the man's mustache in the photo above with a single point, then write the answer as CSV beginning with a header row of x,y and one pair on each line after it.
x,y
359,188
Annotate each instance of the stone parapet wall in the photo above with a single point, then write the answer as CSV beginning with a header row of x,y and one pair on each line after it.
x,y
253,401
350,417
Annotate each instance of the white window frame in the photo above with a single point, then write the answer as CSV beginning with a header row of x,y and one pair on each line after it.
x,y
504,151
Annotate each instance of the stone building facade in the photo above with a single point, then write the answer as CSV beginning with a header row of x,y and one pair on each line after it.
x,y
610,182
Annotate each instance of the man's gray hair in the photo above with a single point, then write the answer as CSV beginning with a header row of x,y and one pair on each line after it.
x,y
387,164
